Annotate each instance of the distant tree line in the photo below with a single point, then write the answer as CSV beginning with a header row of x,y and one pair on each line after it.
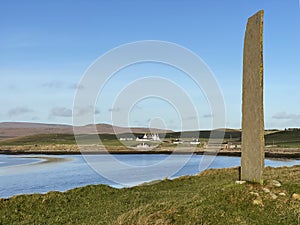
x,y
292,129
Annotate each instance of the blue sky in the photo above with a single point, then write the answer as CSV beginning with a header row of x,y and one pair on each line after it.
x,y
46,46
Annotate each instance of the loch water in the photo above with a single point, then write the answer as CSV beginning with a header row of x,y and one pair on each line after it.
x,y
27,174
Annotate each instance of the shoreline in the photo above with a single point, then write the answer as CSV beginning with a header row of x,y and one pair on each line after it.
x,y
168,197
268,154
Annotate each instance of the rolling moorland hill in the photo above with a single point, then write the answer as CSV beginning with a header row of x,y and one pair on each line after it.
x,y
32,133
19,129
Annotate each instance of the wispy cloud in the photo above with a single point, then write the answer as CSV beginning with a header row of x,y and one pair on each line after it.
x,y
136,106
35,118
117,109
20,110
53,84
86,110
76,86
136,122
207,116
60,112
56,84
283,119
12,87
97,111
286,116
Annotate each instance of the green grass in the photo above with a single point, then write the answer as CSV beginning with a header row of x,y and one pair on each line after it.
x,y
209,198
109,140
40,139
205,134
287,138
46,139
294,144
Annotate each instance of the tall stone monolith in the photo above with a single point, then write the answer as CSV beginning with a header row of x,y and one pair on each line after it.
x,y
252,163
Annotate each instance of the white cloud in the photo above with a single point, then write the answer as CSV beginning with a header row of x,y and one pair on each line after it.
x,y
53,84
86,111
76,86
286,116
117,109
191,118
284,120
20,110
61,112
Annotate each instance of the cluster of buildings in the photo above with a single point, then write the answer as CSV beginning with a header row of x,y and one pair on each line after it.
x,y
154,137
150,137
126,139
143,140
193,142
231,146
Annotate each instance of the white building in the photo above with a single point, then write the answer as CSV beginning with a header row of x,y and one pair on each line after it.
x,y
155,137
177,141
151,137
195,142
143,145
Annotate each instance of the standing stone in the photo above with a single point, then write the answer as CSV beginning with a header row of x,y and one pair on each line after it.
x,y
252,162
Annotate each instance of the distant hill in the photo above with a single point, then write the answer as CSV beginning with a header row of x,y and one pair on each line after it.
x,y
9,130
284,138
19,129
227,133
30,125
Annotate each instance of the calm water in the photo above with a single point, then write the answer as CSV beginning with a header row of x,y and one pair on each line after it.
x,y
40,174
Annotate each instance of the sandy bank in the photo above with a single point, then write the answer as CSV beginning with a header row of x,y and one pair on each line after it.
x,y
73,149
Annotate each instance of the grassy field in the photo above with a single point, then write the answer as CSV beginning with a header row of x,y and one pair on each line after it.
x,y
45,139
285,139
108,140
40,139
211,197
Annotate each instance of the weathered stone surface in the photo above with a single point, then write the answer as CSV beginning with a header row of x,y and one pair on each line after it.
x,y
275,183
240,182
252,162
296,196
266,190
258,201
273,196
254,193
282,194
